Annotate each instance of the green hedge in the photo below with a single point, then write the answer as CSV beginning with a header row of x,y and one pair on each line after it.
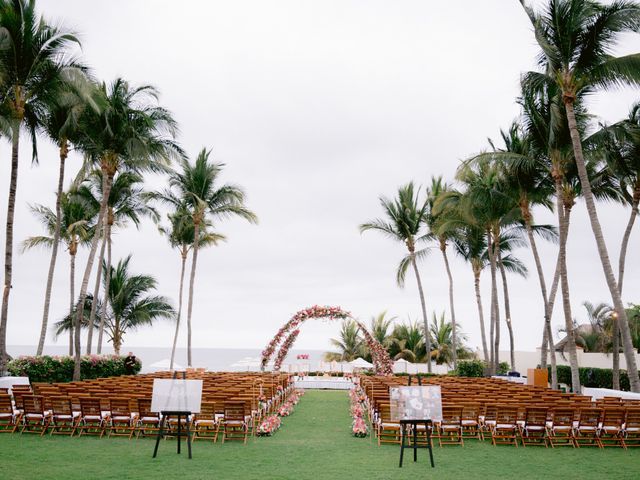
x,y
476,368
60,369
592,377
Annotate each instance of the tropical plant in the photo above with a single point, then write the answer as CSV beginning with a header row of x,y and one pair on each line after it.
x,y
130,133
74,228
181,233
379,328
350,344
34,62
408,343
195,187
441,333
404,222
576,38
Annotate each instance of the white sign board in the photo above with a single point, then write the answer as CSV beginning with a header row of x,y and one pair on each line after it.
x,y
416,403
176,395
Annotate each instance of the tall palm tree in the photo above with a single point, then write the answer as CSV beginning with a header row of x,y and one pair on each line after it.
x,y
181,235
405,222
350,345
127,202
435,219
61,124
34,61
195,187
620,145
576,38
74,227
130,133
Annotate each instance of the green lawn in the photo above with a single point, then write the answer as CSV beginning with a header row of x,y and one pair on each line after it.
x,y
314,443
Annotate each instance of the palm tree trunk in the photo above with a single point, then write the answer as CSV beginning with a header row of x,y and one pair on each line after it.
x,y
107,283
117,336
454,338
107,180
427,340
621,264
72,299
192,279
94,303
563,221
495,314
54,250
175,336
549,333
507,311
483,334
8,244
627,343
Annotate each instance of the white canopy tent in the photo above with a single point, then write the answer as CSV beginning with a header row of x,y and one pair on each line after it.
x,y
402,366
247,363
360,363
163,365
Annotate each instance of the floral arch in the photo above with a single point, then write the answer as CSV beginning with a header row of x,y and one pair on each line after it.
x,y
288,333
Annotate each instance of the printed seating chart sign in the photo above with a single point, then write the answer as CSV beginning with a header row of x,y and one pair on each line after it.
x,y
416,403
176,395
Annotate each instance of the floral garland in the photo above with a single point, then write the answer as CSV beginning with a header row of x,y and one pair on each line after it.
x,y
359,426
273,422
269,425
382,363
332,313
284,349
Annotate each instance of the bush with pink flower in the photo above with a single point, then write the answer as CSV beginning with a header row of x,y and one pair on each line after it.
x,y
269,425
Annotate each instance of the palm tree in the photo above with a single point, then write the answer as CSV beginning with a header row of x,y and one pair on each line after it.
x,y
74,227
130,304
180,234
436,190
126,202
405,222
61,124
576,38
409,343
350,345
195,187
379,329
34,63
442,340
130,133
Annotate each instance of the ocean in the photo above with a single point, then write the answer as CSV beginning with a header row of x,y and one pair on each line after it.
x,y
214,359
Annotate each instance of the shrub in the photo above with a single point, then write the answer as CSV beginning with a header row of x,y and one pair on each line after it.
x,y
60,369
592,377
471,368
503,368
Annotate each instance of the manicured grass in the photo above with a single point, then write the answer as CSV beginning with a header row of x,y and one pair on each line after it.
x,y
314,443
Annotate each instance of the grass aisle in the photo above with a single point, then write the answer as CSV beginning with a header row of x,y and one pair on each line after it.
x,y
314,443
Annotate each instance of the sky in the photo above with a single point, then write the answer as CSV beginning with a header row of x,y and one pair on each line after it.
x,y
316,108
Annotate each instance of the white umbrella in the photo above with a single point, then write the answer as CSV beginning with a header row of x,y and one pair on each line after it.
x,y
247,362
360,363
163,365
401,366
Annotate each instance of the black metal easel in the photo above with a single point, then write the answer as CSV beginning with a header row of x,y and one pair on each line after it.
x,y
180,414
404,429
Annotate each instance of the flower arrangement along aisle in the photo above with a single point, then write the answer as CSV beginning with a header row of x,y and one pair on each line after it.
x,y
273,422
359,426
269,426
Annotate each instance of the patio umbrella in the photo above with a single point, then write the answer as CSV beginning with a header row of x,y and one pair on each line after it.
x,y
162,365
360,363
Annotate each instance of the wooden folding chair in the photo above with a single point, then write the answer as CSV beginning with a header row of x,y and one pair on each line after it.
x,y
121,420
205,424
471,421
450,428
9,419
92,420
506,428
632,427
611,432
488,420
234,424
148,422
586,433
35,418
534,429
64,421
561,430
388,431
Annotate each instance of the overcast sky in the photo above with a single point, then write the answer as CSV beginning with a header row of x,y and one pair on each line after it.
x,y
316,108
